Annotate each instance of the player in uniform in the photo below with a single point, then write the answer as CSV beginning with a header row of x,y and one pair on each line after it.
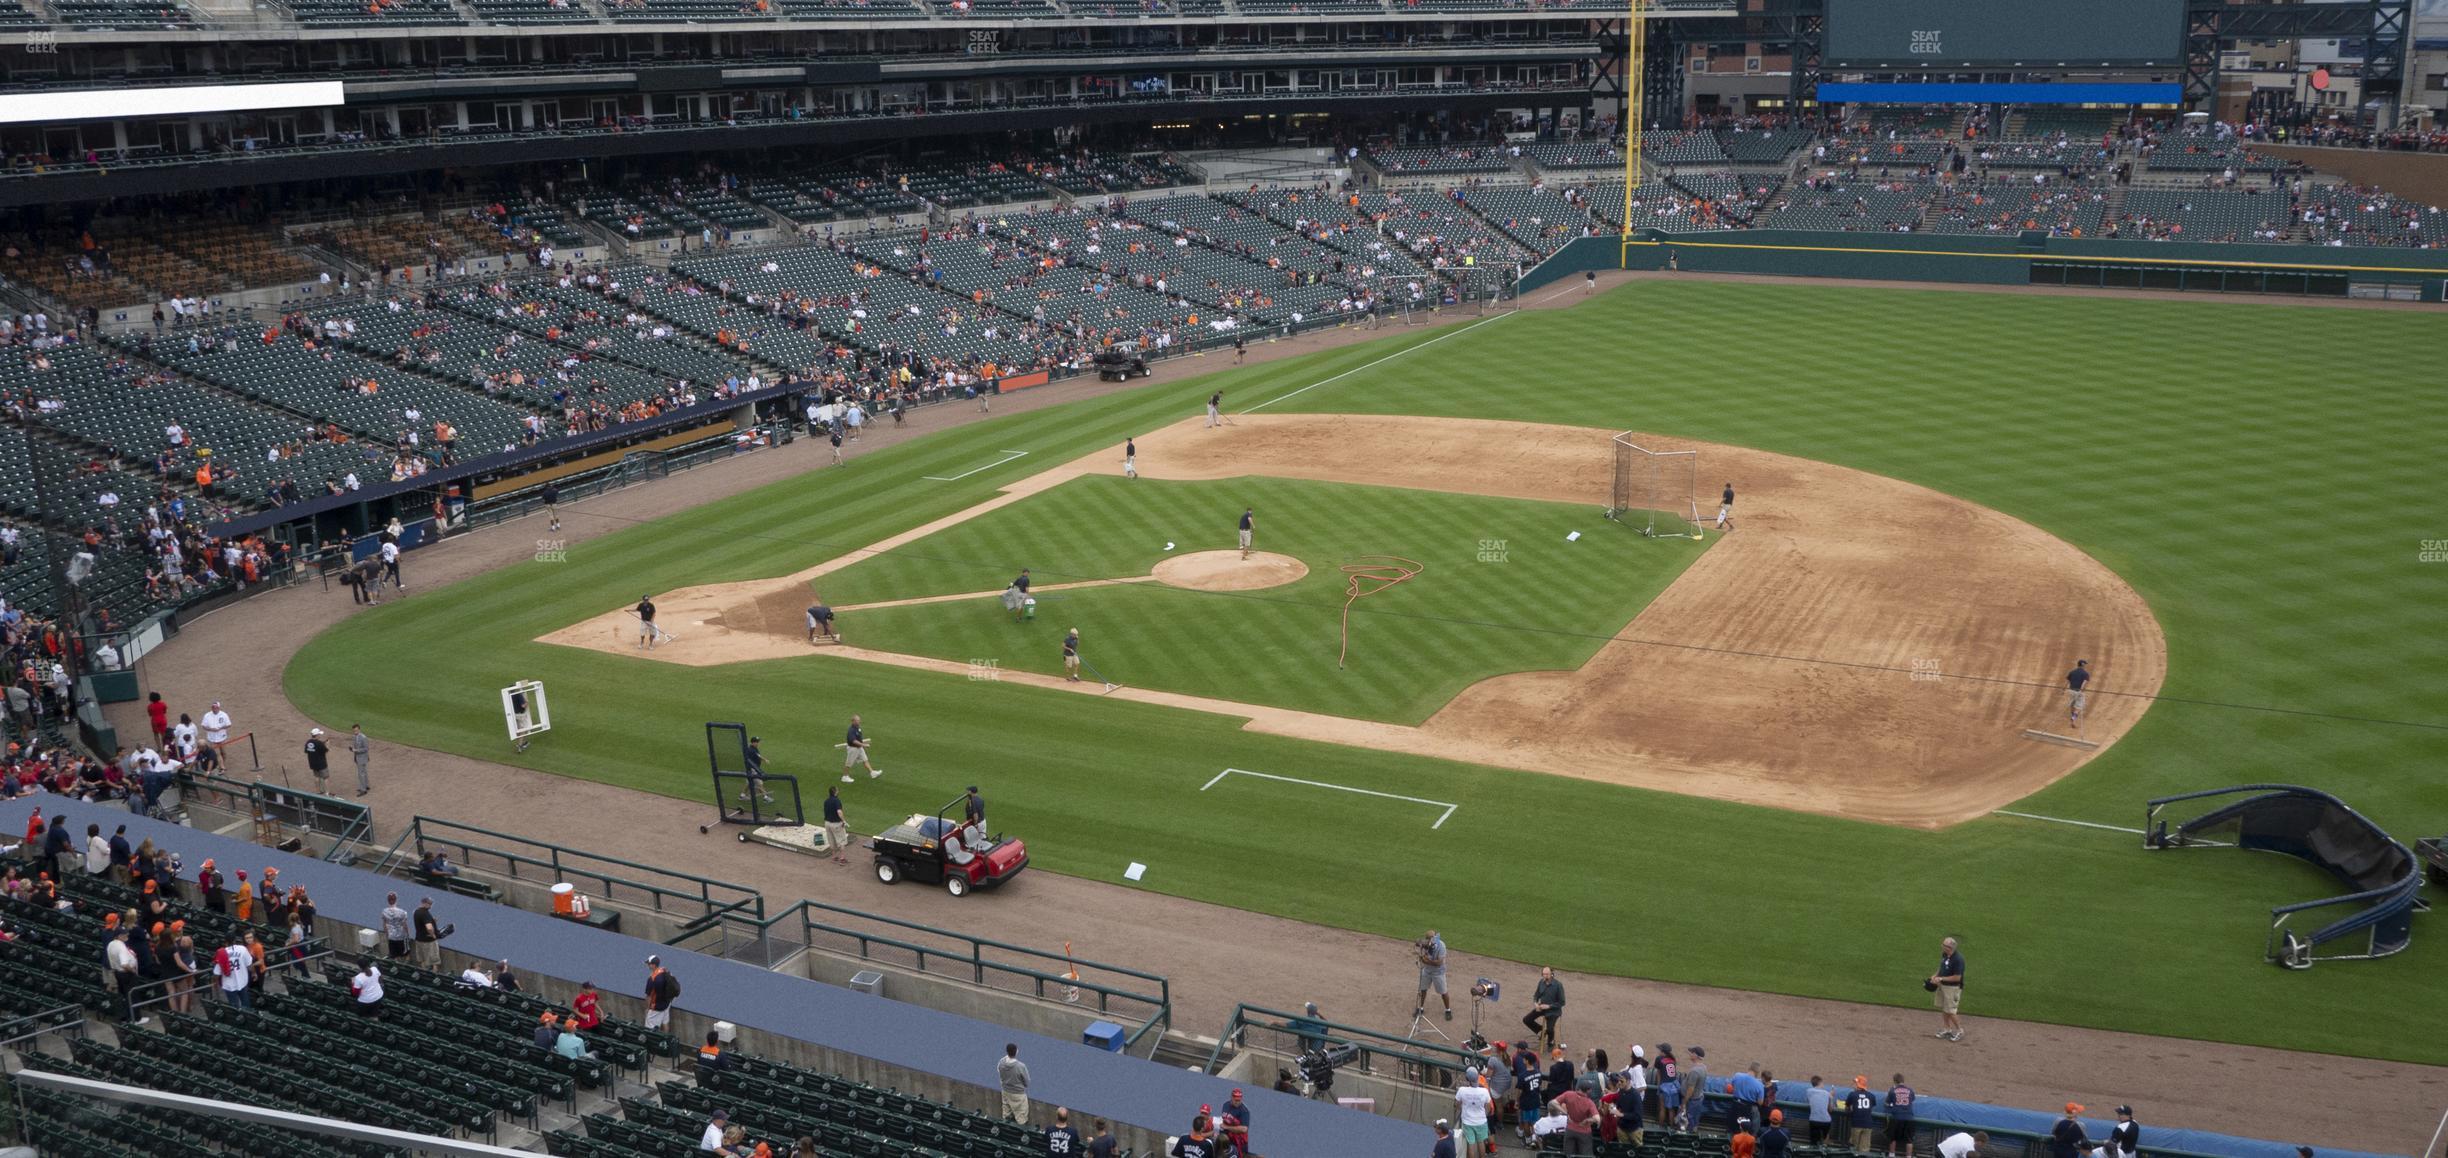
x,y
755,767
1071,656
646,626
854,752
2076,699
1725,509
1130,458
1249,527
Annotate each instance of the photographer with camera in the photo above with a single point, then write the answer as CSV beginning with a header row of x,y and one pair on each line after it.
x,y
1431,951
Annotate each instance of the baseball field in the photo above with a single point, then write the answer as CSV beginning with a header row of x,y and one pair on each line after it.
x,y
1768,759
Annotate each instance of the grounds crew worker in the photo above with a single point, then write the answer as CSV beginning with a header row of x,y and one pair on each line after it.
x,y
318,757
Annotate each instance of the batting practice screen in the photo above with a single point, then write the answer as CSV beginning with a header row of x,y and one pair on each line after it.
x,y
1954,33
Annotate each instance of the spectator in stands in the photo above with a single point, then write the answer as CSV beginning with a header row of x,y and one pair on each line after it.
x,y
474,977
1472,1104
216,729
1444,1145
661,990
395,928
157,715
1012,1077
505,978
547,1030
59,848
208,884
588,1006
710,1059
1695,1089
122,855
122,960
1580,1121
569,1044
711,1142
367,988
1101,1144
1061,1141
1899,1117
427,947
1821,1099
437,864
2066,1138
182,969
235,967
1963,1145
1861,1106
97,851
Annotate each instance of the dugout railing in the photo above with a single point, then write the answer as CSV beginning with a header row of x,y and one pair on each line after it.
x,y
291,819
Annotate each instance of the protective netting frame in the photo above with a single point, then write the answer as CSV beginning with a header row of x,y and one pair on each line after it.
x,y
1645,486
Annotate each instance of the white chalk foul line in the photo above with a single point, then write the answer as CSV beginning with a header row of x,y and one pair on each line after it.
x,y
1440,820
1008,455
2063,820
1388,358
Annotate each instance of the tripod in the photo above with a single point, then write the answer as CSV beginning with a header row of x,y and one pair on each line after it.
x,y
1420,1025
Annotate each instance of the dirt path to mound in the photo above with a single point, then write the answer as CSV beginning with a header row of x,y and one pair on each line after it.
x,y
236,654
1858,647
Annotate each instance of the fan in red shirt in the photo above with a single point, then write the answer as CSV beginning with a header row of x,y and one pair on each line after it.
x,y
589,1016
157,714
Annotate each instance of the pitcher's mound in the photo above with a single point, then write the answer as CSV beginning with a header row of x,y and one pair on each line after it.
x,y
1228,571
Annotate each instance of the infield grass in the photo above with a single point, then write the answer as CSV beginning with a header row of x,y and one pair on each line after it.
x,y
2266,477
1500,590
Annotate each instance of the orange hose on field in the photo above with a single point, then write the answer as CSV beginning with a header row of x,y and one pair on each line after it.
x,y
1372,574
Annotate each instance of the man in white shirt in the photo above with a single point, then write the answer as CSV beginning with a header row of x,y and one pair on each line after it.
x,y
1961,1145
123,970
367,987
216,727
711,1141
1471,1102
236,967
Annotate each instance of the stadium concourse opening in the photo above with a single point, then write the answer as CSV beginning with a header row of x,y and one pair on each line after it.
x,y
1784,667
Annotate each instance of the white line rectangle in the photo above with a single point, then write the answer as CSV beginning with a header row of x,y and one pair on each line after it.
x,y
1440,820
167,101
1008,455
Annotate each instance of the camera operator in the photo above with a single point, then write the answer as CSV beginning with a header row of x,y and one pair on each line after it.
x,y
1431,950
1546,1007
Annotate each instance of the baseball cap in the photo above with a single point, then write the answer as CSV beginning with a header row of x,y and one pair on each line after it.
x,y
1776,1117
1861,1081
314,731
2073,1108
1696,1051
720,1115
2125,1110
1236,1093
653,960
1471,1073
1638,1052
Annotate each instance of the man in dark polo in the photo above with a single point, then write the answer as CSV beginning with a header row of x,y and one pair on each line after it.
x,y
1947,990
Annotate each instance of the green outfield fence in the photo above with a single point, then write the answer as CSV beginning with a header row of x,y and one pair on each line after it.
x,y
2029,258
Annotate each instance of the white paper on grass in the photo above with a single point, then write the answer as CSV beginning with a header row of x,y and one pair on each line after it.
x,y
1134,872
1574,537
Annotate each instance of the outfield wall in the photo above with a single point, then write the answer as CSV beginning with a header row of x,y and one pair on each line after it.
x,y
2026,259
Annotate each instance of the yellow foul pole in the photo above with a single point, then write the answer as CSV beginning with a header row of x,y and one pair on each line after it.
x,y
1636,58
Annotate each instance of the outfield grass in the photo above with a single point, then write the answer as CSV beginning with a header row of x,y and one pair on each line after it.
x,y
2264,476
1463,618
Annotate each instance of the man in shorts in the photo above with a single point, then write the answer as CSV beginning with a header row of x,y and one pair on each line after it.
x,y
1725,509
1015,596
1471,1105
837,828
1948,992
1432,975
854,752
1071,656
1249,527
820,622
646,627
2076,681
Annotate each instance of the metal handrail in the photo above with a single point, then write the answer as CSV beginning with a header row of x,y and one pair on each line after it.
x,y
1427,1056
355,820
428,830
968,950
16,1030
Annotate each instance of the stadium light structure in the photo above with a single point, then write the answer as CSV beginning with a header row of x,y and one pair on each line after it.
x,y
101,104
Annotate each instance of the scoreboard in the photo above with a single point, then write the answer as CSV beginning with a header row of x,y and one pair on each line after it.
x,y
1941,34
